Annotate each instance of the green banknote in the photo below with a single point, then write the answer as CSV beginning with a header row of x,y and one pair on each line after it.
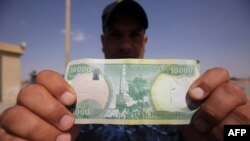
x,y
131,91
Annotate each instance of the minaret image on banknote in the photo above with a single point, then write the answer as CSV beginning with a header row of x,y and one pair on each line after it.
x,y
118,104
120,99
124,101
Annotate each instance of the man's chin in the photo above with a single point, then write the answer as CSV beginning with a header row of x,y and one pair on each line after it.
x,y
126,57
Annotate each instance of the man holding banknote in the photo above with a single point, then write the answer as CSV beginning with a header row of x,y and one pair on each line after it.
x,y
41,113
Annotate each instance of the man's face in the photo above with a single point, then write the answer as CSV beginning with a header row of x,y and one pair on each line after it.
x,y
124,39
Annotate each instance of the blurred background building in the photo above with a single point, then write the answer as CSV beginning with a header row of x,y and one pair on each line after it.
x,y
10,72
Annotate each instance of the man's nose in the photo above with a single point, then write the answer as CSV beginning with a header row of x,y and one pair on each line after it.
x,y
125,45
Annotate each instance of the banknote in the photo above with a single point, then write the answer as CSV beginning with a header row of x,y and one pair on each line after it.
x,y
131,91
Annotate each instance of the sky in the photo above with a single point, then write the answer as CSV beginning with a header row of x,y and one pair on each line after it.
x,y
215,32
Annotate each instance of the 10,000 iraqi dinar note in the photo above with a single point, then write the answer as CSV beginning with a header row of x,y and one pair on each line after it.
x,y
132,91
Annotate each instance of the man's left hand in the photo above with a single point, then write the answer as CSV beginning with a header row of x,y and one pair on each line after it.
x,y
221,103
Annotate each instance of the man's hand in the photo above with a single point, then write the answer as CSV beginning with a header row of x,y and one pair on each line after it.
x,y
220,103
40,112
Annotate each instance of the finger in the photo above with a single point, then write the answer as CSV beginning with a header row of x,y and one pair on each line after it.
x,y
29,126
217,133
57,86
188,132
218,105
204,85
4,136
240,116
75,131
191,133
38,100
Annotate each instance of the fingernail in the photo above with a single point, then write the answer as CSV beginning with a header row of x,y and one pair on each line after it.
x,y
66,122
197,93
200,125
67,98
63,137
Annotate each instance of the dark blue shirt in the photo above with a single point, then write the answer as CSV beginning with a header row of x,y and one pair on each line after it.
x,y
93,132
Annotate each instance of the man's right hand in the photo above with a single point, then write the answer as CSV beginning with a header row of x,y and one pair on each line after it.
x,y
40,112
